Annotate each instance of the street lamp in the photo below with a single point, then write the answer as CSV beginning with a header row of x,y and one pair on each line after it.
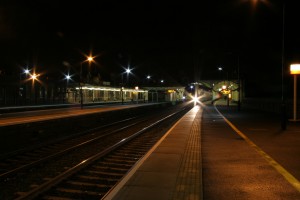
x,y
238,78
26,72
127,71
148,78
122,98
68,78
137,93
225,88
239,83
89,59
295,70
34,77
283,103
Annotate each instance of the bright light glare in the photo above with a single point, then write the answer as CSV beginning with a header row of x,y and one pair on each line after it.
x,y
90,58
68,76
295,69
196,100
33,76
128,71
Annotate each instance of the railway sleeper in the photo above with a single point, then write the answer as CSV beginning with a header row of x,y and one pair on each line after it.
x,y
93,178
108,168
100,173
123,158
56,198
129,154
116,160
77,194
123,165
89,185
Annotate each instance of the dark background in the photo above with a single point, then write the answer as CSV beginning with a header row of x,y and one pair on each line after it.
x,y
180,42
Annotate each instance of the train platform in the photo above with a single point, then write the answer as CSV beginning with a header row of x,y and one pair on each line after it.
x,y
218,153
14,116
171,169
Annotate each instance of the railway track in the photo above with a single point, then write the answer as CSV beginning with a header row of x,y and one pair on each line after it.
x,y
16,161
101,153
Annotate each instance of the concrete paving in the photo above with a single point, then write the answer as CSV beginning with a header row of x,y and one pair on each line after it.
x,y
209,155
235,166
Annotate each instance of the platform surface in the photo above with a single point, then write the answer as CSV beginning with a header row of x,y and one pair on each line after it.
x,y
171,169
205,156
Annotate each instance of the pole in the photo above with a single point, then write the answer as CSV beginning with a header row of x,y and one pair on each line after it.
x,y
80,88
239,84
196,93
295,97
227,86
122,95
283,105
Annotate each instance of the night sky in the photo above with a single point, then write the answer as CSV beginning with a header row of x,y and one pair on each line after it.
x,y
178,41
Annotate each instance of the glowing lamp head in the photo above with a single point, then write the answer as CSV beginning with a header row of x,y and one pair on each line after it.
x,y
26,71
195,99
33,76
90,59
295,69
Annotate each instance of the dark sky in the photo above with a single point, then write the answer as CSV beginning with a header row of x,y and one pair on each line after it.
x,y
179,40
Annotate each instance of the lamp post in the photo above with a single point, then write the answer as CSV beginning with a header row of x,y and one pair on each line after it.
x,y
225,88
295,70
34,77
122,98
80,87
239,83
89,59
283,103
127,71
283,106
27,72
137,93
67,77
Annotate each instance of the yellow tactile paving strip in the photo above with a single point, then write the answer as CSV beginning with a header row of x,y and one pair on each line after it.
x,y
189,179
